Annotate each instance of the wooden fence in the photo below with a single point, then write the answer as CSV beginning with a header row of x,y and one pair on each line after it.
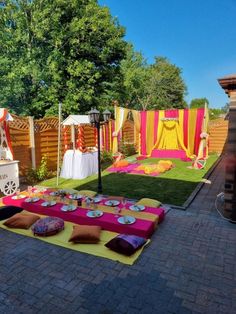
x,y
218,130
32,139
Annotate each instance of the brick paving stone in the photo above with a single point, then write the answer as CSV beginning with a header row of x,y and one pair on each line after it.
x,y
189,267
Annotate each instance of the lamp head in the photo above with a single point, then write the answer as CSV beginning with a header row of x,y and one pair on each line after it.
x,y
106,115
93,115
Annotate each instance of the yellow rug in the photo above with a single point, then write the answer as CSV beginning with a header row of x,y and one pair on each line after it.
x,y
99,249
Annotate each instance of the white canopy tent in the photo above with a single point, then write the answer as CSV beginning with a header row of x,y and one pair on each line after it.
x,y
78,165
73,120
76,120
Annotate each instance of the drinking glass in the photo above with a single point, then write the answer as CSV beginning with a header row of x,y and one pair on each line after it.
x,y
117,211
87,202
46,198
123,202
29,189
18,193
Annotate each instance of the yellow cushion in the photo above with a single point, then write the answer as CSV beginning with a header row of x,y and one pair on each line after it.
x,y
87,193
149,202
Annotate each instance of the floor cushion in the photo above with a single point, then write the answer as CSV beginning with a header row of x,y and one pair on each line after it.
x,y
48,226
85,234
121,163
21,221
126,244
8,211
149,202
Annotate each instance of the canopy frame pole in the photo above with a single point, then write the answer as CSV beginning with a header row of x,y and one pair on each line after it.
x,y
59,141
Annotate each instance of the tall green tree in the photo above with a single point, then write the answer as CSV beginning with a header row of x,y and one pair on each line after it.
x,y
165,87
199,102
57,50
134,69
156,86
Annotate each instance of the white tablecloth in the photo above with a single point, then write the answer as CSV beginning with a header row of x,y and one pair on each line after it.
x,y
77,165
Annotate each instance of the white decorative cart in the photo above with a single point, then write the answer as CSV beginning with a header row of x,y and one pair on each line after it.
x,y
9,173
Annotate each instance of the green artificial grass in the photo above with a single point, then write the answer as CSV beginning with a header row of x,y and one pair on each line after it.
x,y
173,187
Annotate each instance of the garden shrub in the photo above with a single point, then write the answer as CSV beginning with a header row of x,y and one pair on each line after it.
x,y
106,156
127,149
41,173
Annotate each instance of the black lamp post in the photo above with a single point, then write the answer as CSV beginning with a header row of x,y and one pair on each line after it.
x,y
94,118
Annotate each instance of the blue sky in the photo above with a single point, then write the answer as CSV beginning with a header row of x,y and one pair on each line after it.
x,y
199,36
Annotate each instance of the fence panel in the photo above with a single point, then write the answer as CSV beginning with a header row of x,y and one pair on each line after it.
x,y
20,140
218,130
46,141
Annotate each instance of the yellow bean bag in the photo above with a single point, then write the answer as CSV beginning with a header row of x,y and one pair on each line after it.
x,y
149,202
141,167
166,164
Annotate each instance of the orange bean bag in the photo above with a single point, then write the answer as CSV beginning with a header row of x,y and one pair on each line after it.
x,y
120,163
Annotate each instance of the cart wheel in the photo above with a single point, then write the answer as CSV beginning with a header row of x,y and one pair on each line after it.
x,y
10,188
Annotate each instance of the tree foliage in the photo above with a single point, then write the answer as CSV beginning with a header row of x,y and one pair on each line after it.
x,y
198,102
58,50
154,86
74,52
134,69
165,86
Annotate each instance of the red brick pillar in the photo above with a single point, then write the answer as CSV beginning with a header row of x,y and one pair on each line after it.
x,y
228,83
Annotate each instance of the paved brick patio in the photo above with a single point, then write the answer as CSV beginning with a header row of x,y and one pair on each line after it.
x,y
189,267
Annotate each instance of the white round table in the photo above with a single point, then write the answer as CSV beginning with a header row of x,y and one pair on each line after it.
x,y
78,165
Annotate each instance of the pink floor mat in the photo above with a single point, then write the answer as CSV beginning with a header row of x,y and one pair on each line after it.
x,y
131,169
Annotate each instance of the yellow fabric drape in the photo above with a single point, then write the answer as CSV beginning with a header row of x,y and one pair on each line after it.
x,y
120,118
110,134
137,125
150,131
159,129
181,123
169,137
204,141
192,117
137,122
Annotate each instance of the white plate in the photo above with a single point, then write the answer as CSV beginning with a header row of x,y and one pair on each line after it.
x,y
39,190
68,208
48,204
97,199
31,199
137,208
18,197
55,193
94,213
126,220
112,203
75,196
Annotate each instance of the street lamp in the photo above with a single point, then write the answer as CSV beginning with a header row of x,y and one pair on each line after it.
x,y
94,118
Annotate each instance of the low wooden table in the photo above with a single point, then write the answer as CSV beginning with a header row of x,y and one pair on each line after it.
x,y
144,226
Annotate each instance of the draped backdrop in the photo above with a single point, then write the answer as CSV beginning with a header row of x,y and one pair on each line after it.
x,y
182,130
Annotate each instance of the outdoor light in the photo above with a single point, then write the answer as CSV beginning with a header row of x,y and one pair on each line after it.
x,y
106,115
93,115
94,118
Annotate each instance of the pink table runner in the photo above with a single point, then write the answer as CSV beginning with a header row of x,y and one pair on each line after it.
x,y
141,227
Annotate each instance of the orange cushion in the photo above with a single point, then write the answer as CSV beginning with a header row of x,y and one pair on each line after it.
x,y
85,234
121,163
21,221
